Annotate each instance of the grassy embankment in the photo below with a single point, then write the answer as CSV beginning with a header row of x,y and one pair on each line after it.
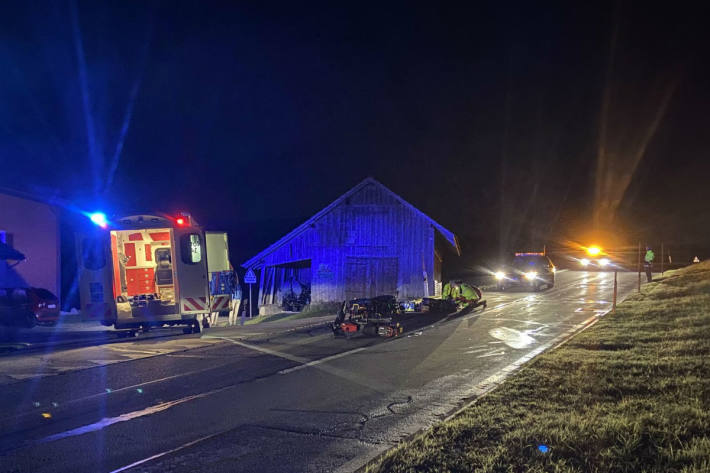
x,y
630,394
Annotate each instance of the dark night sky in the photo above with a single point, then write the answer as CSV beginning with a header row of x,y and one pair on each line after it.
x,y
254,117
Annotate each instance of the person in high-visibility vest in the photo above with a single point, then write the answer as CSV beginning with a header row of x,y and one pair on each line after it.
x,y
648,263
451,290
463,293
468,293
472,295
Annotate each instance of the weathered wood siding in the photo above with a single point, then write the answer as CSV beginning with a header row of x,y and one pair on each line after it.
x,y
369,224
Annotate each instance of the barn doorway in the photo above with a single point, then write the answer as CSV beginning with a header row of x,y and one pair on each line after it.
x,y
288,286
370,277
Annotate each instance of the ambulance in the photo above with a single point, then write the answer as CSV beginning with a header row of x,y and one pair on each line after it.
x,y
151,270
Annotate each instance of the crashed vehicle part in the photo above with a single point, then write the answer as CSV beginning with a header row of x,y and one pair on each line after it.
x,y
371,316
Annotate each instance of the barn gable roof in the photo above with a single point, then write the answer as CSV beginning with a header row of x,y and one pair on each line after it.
x,y
448,235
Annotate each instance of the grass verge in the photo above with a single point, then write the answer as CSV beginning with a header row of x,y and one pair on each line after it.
x,y
631,394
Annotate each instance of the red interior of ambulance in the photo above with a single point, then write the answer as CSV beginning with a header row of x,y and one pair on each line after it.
x,y
143,264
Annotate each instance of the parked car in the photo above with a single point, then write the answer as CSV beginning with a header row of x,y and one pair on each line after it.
x,y
45,306
27,307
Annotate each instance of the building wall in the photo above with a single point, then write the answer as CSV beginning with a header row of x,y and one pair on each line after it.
x,y
34,230
370,224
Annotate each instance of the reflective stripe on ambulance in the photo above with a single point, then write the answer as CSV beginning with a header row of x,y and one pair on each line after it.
x,y
220,302
194,305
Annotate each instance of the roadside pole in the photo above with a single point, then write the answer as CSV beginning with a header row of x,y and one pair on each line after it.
x,y
250,278
638,267
661,258
613,303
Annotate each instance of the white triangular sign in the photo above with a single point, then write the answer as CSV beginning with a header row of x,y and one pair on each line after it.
x,y
250,277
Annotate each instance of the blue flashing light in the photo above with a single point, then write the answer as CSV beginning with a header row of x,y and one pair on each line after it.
x,y
99,218
543,448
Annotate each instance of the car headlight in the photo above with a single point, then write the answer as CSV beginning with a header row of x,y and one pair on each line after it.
x,y
604,262
499,275
554,269
530,275
584,262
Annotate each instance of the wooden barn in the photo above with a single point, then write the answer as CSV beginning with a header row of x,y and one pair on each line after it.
x,y
368,242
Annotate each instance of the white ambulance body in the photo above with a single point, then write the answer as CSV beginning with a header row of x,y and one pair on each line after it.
x,y
151,270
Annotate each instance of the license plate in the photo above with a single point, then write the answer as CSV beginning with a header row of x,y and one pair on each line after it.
x,y
51,306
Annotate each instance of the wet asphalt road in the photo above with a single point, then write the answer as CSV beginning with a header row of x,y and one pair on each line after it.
x,y
19,340
301,401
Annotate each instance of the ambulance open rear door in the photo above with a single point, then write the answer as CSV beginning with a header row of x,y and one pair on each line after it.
x,y
191,270
219,271
96,284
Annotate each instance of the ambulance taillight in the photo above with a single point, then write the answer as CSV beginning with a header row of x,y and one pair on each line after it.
x,y
183,219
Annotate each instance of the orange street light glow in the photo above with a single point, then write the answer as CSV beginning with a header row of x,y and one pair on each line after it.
x,y
594,250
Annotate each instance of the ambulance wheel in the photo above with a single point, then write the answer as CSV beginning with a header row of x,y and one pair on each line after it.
x,y
196,327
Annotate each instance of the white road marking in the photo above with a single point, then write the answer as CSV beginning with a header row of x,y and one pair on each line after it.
x,y
322,360
167,452
118,390
305,362
107,421
268,351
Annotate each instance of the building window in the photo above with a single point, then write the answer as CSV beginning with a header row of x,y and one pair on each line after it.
x,y
191,248
93,254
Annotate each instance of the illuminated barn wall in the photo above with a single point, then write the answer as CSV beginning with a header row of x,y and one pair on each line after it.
x,y
368,242
32,228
